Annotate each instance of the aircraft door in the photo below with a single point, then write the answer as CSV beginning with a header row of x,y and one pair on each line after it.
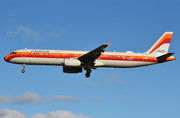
x,y
144,57
57,54
23,53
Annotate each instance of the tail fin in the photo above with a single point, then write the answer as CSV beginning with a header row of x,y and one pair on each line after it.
x,y
162,44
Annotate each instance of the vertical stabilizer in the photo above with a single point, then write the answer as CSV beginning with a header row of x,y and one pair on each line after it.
x,y
162,44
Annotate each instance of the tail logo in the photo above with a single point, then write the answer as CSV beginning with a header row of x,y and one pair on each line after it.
x,y
161,51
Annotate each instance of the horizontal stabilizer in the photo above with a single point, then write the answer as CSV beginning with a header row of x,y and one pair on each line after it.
x,y
164,57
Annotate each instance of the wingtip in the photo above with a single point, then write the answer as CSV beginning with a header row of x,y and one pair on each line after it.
x,y
109,44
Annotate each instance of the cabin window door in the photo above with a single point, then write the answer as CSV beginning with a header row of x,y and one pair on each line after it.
x,y
57,54
145,57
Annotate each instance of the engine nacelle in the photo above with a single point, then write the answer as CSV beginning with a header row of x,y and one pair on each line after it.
x,y
72,62
67,69
98,63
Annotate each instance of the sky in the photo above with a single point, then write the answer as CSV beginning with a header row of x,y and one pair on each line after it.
x,y
47,92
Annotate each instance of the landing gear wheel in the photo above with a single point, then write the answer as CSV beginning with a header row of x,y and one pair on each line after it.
x,y
22,70
88,71
87,75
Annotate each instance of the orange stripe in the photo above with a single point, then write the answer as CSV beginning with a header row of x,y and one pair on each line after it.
x,y
71,55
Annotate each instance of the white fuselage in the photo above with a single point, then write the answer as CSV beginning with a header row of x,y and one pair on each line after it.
x,y
56,57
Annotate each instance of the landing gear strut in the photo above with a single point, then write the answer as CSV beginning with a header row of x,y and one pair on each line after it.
x,y
88,71
23,70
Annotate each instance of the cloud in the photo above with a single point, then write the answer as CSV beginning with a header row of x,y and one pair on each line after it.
x,y
44,100
61,29
59,114
5,99
54,35
69,99
11,15
113,78
11,33
34,98
98,99
118,97
6,113
28,33
21,99
26,98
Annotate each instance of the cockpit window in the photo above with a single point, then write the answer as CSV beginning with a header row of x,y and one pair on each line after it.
x,y
13,52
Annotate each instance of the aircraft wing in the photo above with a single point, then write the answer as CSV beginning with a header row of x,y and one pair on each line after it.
x,y
91,56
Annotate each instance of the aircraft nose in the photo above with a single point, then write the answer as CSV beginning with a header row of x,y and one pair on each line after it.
x,y
5,59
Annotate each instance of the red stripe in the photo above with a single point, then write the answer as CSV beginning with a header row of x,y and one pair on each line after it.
x,y
101,58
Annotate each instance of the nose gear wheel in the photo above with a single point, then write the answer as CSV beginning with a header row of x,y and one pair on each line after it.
x,y
23,70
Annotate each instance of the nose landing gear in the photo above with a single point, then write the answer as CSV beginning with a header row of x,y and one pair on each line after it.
x,y
88,71
23,70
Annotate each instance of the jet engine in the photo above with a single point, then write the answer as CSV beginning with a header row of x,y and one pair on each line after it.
x,y
73,62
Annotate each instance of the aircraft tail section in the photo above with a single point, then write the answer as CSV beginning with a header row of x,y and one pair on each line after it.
x,y
162,58
162,44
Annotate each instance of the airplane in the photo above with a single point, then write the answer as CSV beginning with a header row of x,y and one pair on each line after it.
x,y
75,61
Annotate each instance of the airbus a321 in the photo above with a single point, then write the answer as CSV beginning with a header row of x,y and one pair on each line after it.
x,y
76,61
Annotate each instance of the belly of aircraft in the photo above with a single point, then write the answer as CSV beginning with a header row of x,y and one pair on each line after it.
x,y
37,61
125,64
59,62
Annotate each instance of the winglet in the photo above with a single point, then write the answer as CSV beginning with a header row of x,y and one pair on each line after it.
x,y
108,44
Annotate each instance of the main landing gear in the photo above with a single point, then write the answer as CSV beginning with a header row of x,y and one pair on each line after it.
x,y
23,70
88,71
